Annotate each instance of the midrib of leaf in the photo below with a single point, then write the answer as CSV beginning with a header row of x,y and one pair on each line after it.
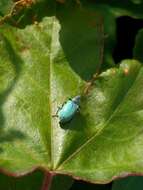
x,y
50,106
100,126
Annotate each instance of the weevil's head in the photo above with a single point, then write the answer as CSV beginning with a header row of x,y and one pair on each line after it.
x,y
76,99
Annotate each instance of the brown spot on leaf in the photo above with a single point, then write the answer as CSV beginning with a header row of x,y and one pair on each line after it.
x,y
25,3
126,71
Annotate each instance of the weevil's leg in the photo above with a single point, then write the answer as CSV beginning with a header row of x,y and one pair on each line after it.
x,y
62,105
57,110
56,115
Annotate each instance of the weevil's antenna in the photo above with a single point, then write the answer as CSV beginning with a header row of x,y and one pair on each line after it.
x,y
101,51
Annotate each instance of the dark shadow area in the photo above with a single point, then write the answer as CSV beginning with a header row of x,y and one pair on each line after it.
x,y
82,185
127,29
11,135
17,63
76,123
77,136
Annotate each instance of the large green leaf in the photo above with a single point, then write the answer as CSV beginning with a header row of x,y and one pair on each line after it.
x,y
40,67
38,73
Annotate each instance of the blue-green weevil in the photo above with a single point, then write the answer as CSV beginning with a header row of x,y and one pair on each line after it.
x,y
68,110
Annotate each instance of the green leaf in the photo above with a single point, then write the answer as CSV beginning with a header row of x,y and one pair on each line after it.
x,y
35,65
42,66
129,183
29,182
138,49
109,21
86,38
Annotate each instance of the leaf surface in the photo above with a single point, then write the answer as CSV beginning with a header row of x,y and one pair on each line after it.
x,y
37,75
44,64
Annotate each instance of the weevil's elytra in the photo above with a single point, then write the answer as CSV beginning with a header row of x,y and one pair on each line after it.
x,y
68,110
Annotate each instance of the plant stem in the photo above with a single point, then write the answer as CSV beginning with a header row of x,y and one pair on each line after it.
x,y
47,181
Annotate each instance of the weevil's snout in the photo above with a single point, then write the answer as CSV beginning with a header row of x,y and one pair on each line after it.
x,y
76,99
